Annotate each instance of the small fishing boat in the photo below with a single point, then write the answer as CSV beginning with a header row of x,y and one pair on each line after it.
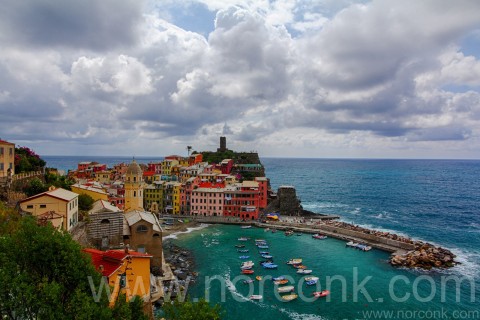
x,y
289,297
278,278
245,227
288,233
304,271
351,244
266,230
266,262
262,247
363,247
280,282
311,278
264,252
267,256
247,271
242,239
248,281
242,250
244,257
319,294
285,289
269,266
294,261
246,267
239,246
299,266
311,282
319,236
259,278
248,264
256,297
260,240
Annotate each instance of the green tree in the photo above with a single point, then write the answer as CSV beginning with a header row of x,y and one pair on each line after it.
x,y
58,181
35,186
45,275
85,202
189,310
27,160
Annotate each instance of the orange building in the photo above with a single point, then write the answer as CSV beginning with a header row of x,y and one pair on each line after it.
x,y
7,158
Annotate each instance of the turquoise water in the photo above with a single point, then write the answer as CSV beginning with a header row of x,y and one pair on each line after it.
x,y
216,255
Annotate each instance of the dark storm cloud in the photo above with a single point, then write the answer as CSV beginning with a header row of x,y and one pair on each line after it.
x,y
86,24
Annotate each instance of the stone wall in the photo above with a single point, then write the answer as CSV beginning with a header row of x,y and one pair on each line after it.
x,y
288,203
107,224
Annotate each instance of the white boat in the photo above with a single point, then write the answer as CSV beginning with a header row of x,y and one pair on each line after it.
x,y
311,278
351,244
289,297
294,261
285,289
256,297
245,227
247,264
304,271
242,239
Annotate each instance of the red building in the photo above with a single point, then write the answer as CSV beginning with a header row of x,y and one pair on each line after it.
x,y
242,200
226,166
263,188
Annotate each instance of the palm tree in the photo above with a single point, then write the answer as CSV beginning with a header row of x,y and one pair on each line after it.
x,y
189,148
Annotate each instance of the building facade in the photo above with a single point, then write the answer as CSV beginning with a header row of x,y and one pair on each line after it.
x,y
7,158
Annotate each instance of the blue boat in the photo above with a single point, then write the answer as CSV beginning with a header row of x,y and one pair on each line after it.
x,y
278,278
311,282
270,266
262,247
266,256
264,252
244,257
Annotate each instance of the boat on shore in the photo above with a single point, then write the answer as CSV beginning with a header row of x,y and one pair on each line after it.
x,y
319,294
289,297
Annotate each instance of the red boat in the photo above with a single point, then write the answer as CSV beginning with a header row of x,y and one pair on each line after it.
x,y
319,294
247,271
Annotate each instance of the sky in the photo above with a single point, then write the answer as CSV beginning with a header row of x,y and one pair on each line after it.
x,y
287,78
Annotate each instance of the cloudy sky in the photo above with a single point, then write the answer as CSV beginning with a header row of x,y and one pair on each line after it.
x,y
294,78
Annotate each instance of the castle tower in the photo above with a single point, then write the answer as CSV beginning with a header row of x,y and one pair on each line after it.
x,y
133,187
223,145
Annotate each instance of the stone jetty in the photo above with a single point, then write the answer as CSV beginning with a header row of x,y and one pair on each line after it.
x,y
424,256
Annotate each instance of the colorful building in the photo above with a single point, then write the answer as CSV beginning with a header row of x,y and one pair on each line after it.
x,y
153,197
133,187
60,201
242,200
7,158
95,192
171,197
208,199
128,272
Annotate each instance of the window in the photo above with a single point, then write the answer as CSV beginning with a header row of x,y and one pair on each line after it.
x,y
30,206
105,221
1,166
43,206
11,151
1,150
142,228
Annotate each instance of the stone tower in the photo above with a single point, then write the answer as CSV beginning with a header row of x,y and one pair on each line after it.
x,y
133,187
223,144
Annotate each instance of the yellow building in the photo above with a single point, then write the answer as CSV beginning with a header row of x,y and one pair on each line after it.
x,y
128,272
171,197
7,158
60,201
167,165
133,187
103,177
153,197
94,192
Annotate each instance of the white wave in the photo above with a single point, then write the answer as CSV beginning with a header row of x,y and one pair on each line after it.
x,y
469,262
377,228
301,316
189,230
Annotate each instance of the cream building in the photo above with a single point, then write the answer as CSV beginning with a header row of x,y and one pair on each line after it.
x,y
60,201
7,158
133,187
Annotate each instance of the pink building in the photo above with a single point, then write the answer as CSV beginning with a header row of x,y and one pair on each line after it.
x,y
208,199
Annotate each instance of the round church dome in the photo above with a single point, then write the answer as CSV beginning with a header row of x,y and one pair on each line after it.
x,y
134,169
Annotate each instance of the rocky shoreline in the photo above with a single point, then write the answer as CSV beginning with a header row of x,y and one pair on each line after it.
x,y
182,264
425,256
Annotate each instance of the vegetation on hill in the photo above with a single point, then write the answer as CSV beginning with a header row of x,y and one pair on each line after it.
x,y
188,310
45,275
26,160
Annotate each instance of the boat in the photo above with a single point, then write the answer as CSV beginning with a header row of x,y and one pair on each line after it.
x,y
299,266
260,240
242,250
319,236
248,281
264,252
289,297
244,257
245,227
311,282
294,261
246,267
259,278
311,278
242,239
248,264
274,230
267,256
266,262
256,297
285,289
351,244
288,233
279,282
270,266
239,246
266,230
298,234
278,278
262,247
363,247
319,294
248,271
304,271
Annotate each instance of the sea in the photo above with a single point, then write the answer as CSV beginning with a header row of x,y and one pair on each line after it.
x,y
436,201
